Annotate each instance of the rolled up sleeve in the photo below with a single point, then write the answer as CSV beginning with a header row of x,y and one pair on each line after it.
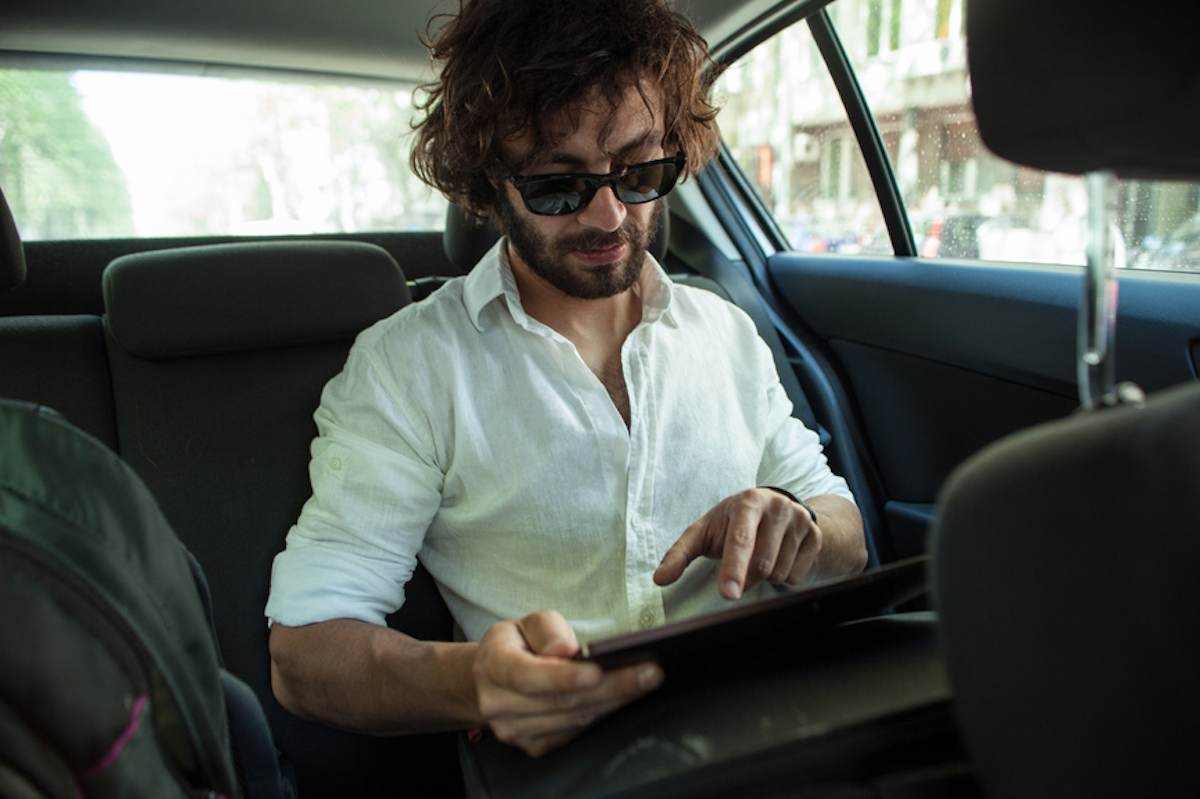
x,y
376,485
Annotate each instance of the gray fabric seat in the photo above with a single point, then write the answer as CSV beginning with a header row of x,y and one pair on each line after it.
x,y
12,253
1065,557
218,358
57,361
1065,580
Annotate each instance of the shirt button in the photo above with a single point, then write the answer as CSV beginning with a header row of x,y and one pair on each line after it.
x,y
646,618
335,464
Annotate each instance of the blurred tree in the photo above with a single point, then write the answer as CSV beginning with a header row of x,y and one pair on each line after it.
x,y
57,170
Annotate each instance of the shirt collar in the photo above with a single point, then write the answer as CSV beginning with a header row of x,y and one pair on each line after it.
x,y
492,278
657,290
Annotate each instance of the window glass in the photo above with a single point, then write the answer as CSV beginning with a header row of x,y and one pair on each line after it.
x,y
963,202
786,127
87,154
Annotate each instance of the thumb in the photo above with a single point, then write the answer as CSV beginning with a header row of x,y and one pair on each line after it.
x,y
548,633
681,553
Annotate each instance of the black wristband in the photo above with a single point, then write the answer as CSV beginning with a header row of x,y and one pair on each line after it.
x,y
795,499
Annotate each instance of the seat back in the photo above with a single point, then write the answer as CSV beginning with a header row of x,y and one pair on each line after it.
x,y
1065,581
218,356
52,360
1064,556
60,361
12,253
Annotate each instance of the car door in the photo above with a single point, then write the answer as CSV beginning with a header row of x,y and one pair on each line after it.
x,y
926,291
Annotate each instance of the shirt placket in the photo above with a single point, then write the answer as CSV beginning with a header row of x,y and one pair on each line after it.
x,y
644,605
644,598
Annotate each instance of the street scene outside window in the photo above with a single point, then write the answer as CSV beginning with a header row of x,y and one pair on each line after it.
x,y
89,154
786,127
788,130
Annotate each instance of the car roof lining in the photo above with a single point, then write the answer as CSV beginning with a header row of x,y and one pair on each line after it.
x,y
379,39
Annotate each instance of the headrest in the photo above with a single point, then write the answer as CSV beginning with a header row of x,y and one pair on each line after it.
x,y
232,297
1079,85
12,254
465,242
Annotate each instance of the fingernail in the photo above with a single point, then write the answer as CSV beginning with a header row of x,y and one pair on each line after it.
x,y
732,589
589,678
649,677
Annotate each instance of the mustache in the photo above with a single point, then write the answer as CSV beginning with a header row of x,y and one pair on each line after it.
x,y
626,234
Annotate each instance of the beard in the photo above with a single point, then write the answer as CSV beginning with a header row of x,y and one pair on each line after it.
x,y
547,257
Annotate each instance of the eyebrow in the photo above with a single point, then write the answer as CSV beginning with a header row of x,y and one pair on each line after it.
x,y
572,160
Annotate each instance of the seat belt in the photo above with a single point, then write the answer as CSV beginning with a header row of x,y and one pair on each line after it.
x,y
743,294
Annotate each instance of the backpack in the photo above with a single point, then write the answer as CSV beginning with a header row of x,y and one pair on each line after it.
x,y
111,679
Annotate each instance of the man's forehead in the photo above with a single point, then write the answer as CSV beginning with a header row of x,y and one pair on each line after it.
x,y
598,124
614,143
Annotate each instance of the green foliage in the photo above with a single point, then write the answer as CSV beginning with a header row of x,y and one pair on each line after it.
x,y
56,169
894,30
874,26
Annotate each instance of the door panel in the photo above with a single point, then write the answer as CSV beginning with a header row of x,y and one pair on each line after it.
x,y
1009,321
942,358
923,418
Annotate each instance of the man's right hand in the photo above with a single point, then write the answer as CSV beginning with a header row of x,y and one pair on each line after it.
x,y
534,697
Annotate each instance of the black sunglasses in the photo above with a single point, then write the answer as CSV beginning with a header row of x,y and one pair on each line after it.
x,y
558,194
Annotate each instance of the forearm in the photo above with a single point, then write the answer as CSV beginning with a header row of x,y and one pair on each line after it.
x,y
843,545
373,679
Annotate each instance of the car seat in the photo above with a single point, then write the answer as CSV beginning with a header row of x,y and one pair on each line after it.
x,y
1064,556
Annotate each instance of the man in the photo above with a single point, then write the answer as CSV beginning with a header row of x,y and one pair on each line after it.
x,y
560,435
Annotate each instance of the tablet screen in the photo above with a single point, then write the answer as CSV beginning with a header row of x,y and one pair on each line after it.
x,y
740,627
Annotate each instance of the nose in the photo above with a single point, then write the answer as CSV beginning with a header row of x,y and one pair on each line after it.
x,y
605,212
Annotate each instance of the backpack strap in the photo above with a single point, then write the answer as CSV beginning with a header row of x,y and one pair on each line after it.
x,y
205,598
262,771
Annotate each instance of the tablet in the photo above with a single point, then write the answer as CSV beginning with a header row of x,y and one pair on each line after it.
x,y
756,626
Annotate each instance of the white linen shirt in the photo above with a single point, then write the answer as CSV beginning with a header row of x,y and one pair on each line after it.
x,y
467,434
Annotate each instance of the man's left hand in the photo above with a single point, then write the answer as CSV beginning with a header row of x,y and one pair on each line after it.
x,y
758,534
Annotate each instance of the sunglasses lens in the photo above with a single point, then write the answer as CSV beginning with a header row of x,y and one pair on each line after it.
x,y
554,197
566,194
643,184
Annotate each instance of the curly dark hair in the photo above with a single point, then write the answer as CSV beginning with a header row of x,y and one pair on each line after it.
x,y
509,66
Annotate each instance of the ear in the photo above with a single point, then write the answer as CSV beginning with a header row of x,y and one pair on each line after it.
x,y
495,220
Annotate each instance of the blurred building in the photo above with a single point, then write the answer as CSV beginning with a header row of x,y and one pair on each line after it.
x,y
788,129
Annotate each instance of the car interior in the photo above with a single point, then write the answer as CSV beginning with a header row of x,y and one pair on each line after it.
x,y
1079,597
200,358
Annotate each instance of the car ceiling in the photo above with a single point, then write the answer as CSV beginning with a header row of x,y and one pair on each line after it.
x,y
367,38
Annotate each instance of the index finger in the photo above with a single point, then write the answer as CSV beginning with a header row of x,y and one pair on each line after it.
x,y
741,531
517,668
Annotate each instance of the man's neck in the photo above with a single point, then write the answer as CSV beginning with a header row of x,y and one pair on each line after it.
x,y
601,322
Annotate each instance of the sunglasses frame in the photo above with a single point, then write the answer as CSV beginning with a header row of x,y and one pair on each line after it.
x,y
594,182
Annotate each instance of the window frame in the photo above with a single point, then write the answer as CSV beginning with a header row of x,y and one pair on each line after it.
x,y
763,235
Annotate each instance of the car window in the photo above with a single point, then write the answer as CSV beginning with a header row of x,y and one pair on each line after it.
x,y
962,201
788,131
786,127
90,154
